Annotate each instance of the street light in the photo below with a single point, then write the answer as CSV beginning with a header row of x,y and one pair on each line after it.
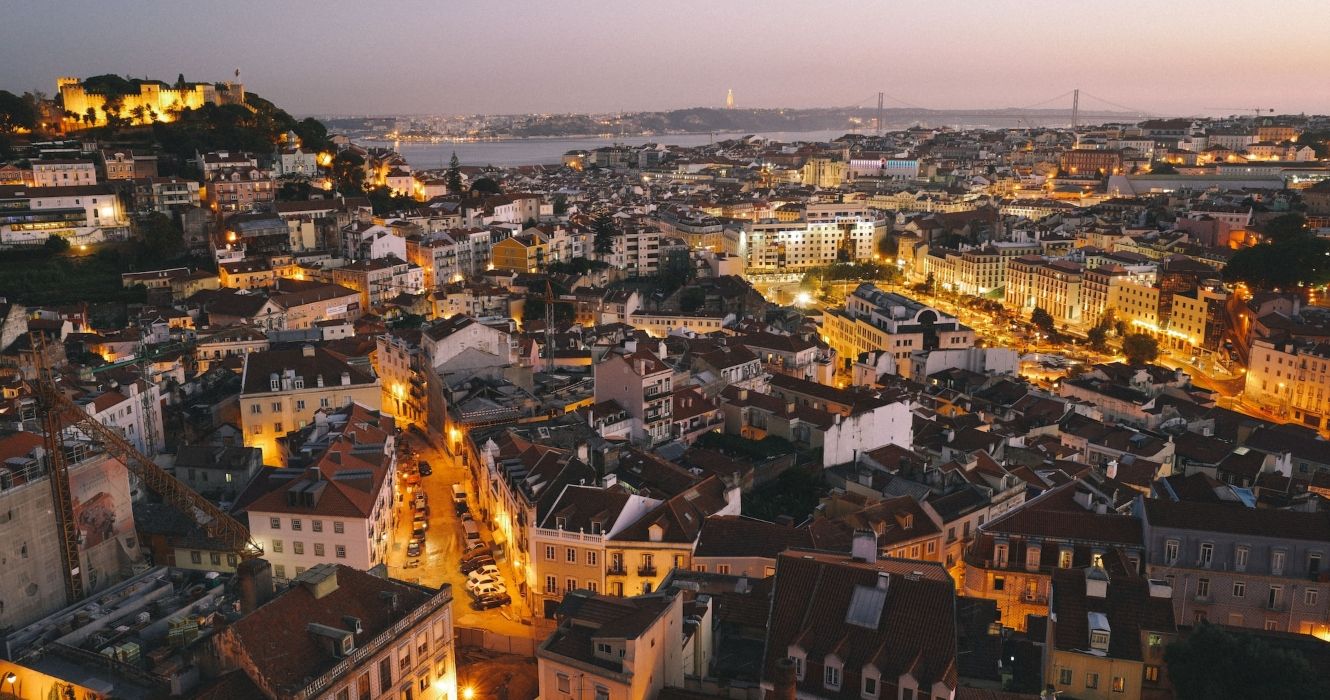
x,y
468,693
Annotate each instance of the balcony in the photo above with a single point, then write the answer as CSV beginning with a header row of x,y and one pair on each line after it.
x,y
646,570
1034,598
615,569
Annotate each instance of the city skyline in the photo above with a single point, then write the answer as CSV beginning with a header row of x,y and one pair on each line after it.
x,y
578,57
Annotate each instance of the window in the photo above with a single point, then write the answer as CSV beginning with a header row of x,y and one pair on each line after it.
x,y
1314,563
277,427
602,693
318,549
931,547
1064,559
316,525
1239,589
341,551
570,555
549,552
343,694
1152,674
1277,563
592,586
362,686
831,677
1091,679
279,570
339,527
562,683
298,547
255,409
869,689
999,583
1240,559
385,674
591,558
277,407
798,666
1203,588
551,584
300,404
1119,684
295,523
404,657
1310,596
277,546
1207,553
572,584
1171,552
1064,676
196,557
215,558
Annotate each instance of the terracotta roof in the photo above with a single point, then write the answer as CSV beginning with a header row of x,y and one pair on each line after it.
x,y
742,536
1238,519
910,629
1128,606
261,365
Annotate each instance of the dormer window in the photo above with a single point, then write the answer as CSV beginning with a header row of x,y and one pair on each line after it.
x,y
595,527
561,523
798,657
868,688
831,674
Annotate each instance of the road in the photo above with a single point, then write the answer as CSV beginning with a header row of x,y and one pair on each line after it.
x,y
440,557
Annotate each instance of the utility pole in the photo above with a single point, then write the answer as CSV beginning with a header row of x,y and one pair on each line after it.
x,y
879,113
1075,108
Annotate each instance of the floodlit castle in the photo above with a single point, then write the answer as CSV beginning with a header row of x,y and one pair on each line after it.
x,y
157,98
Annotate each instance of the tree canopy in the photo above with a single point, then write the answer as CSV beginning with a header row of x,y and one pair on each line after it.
x,y
1140,348
454,175
1267,265
1212,662
486,185
16,112
1042,319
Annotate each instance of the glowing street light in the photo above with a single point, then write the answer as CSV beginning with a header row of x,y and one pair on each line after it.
x,y
468,693
803,299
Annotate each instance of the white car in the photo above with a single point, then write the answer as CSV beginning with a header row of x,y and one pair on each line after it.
x,y
473,583
484,589
489,570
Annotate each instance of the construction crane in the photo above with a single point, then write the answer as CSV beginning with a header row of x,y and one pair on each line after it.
x,y
59,413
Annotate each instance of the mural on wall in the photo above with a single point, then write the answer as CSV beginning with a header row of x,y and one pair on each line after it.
x,y
102,507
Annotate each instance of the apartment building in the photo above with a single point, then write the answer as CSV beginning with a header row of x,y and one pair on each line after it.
x,y
975,272
873,319
524,252
1291,378
611,648
240,189
1106,635
636,251
774,246
282,390
342,634
63,172
234,341
1239,566
380,280
80,214
336,504
134,410
640,382
1053,285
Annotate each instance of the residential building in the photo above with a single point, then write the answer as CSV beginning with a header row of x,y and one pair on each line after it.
x,y
250,273
873,319
125,164
133,409
380,280
218,472
1106,635
63,172
235,341
860,626
282,390
1052,285
612,648
1239,566
526,252
343,634
640,382
1290,378
247,189
165,195
80,214
775,246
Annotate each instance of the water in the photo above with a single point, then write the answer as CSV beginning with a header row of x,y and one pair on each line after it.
x,y
544,151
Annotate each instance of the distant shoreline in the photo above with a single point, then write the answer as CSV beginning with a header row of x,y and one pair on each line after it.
x,y
583,137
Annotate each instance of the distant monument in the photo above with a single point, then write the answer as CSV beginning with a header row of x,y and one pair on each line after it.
x,y
729,99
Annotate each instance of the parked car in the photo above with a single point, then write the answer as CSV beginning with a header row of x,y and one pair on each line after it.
x,y
473,581
425,468
413,548
418,533
419,522
472,564
475,550
487,589
496,600
485,571
421,499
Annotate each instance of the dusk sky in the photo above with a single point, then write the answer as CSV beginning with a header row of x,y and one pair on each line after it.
x,y
457,56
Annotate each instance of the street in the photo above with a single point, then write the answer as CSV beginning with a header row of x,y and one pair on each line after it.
x,y
440,557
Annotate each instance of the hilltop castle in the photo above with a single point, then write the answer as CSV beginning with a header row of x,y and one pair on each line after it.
x,y
154,96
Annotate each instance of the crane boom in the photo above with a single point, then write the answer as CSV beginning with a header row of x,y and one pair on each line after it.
x,y
58,413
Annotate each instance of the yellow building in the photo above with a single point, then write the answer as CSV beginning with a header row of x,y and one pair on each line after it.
x,y
521,253
158,100
281,390
823,172
246,274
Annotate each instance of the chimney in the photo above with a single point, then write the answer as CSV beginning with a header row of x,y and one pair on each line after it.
x,y
783,684
307,350
316,473
255,580
1111,469
346,378
864,546
883,578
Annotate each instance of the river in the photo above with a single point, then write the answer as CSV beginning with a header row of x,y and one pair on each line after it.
x,y
542,151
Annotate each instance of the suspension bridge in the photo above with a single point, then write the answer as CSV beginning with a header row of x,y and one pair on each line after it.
x,y
1067,107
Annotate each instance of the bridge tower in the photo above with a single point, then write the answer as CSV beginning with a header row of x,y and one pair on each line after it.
x,y
1075,108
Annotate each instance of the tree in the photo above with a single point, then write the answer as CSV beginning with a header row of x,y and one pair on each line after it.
x,y
1286,227
312,133
930,282
603,225
1098,338
56,244
16,113
560,203
454,175
1213,662
349,171
1140,348
161,237
692,299
1042,320
486,185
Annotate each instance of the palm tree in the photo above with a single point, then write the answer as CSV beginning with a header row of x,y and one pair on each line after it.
x,y
137,113
90,116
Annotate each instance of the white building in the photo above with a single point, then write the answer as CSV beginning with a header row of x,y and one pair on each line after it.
x,y
63,172
134,410
80,214
775,246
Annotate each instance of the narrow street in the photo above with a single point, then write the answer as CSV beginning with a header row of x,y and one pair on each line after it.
x,y
440,557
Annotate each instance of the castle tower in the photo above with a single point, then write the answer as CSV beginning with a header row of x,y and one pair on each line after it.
x,y
729,99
